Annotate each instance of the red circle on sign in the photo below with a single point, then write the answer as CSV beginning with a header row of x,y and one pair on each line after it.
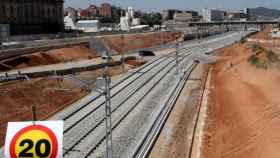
x,y
35,127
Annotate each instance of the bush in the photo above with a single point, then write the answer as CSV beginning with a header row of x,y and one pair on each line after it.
x,y
257,48
152,19
251,34
253,59
271,56
243,40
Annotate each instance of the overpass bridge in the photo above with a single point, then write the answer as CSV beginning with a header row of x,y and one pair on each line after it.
x,y
205,27
225,23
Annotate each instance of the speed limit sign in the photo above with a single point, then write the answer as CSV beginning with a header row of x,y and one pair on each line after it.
x,y
42,139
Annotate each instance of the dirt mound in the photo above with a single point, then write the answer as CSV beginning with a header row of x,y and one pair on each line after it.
x,y
135,63
81,52
264,34
244,109
53,56
47,95
138,41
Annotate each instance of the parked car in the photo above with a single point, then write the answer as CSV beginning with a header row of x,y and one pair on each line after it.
x,y
197,61
146,53
104,57
207,53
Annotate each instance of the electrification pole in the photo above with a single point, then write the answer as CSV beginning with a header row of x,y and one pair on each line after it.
x,y
122,53
177,58
109,142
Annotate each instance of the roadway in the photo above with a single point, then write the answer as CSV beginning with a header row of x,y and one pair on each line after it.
x,y
74,66
29,47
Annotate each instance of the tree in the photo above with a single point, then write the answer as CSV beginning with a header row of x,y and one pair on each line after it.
x,y
152,19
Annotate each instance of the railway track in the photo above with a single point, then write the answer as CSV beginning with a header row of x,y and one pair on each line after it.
x,y
143,150
124,115
117,102
80,134
132,77
145,147
74,111
84,124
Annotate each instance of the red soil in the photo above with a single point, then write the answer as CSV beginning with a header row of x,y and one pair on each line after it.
x,y
135,63
17,99
51,57
263,34
132,42
74,53
244,109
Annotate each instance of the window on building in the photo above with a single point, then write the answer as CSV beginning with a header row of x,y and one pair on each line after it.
x,y
54,12
26,10
4,11
49,12
12,11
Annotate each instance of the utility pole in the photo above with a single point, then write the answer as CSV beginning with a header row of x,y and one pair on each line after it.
x,y
34,117
122,53
161,38
108,111
177,58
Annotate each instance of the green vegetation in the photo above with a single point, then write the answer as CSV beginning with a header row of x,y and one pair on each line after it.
x,y
152,19
251,34
260,60
271,56
254,60
243,40
257,48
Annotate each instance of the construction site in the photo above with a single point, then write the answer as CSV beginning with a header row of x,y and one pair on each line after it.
x,y
209,97
20,96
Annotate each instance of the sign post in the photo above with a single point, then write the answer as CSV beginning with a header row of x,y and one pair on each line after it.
x,y
34,139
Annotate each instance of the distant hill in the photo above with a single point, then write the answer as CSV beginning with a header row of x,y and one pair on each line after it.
x,y
265,12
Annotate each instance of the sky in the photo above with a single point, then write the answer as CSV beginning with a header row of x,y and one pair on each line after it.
x,y
158,5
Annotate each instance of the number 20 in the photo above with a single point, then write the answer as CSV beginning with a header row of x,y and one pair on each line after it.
x,y
30,144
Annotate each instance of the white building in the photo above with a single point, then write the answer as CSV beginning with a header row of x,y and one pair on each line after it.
x,y
210,15
88,25
128,21
136,21
130,12
69,23
82,25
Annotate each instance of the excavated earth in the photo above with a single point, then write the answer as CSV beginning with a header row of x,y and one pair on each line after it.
x,y
82,51
243,114
138,41
17,99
